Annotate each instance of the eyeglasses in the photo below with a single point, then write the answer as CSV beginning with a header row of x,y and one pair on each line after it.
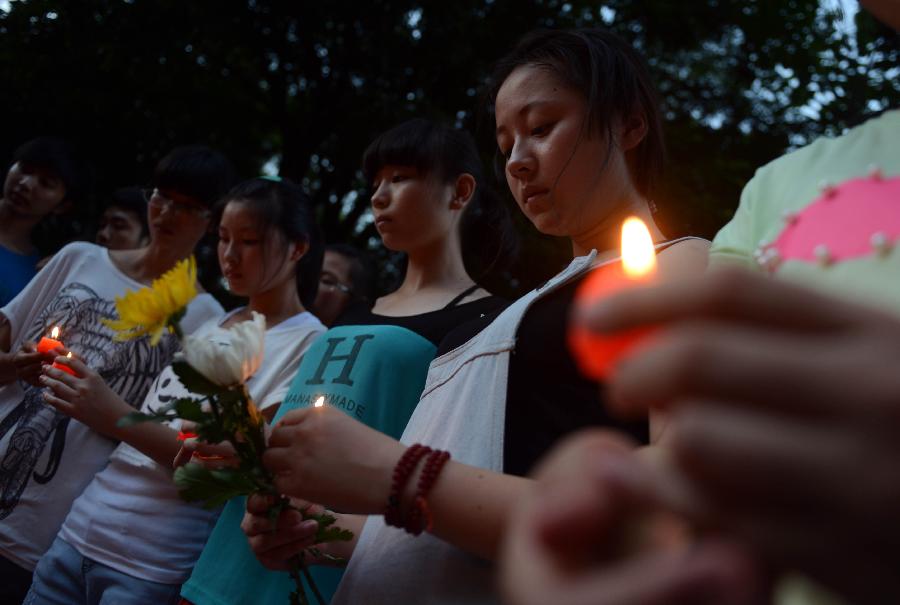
x,y
328,281
163,201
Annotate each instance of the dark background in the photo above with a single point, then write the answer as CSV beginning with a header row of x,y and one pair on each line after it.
x,y
310,83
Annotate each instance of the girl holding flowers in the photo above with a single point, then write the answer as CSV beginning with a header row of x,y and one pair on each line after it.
x,y
130,530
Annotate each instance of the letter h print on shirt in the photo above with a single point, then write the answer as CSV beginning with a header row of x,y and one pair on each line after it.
x,y
349,360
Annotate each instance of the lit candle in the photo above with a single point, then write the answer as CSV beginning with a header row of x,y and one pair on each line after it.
x,y
46,345
319,402
65,369
598,354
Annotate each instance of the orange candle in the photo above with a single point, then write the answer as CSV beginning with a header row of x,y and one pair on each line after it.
x,y
46,345
65,369
598,354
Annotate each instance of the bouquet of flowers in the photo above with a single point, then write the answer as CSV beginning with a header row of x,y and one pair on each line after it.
x,y
215,369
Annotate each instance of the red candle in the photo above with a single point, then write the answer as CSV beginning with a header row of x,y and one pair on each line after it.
x,y
598,354
46,345
65,369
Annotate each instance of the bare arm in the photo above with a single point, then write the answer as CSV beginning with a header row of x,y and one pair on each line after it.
x,y
314,455
470,506
88,399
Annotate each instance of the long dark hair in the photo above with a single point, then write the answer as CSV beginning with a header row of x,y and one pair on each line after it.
x,y
435,149
614,80
282,206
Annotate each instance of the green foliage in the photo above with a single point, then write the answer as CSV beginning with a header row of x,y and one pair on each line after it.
x,y
327,532
196,382
229,414
186,408
741,82
213,488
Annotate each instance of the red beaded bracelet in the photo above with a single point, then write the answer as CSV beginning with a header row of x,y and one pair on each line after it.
x,y
402,472
419,518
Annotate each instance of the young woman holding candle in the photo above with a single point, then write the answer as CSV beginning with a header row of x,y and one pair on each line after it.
x,y
138,538
579,128
427,185
46,458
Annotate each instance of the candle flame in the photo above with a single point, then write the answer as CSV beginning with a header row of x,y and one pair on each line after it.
x,y
54,333
638,255
69,354
320,401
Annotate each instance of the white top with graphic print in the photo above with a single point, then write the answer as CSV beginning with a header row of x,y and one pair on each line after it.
x,y
131,517
46,458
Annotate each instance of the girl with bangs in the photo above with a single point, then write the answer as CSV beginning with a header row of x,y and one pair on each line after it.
x,y
428,197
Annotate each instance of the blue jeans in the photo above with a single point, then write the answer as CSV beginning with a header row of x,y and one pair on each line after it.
x,y
64,577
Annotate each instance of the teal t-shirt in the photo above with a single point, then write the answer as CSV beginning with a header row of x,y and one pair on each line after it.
x,y
375,373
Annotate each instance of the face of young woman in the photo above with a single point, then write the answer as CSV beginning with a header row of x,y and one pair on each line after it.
x,y
251,261
410,210
32,191
567,181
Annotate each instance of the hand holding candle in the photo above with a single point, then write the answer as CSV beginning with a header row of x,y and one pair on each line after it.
x,y
598,354
51,344
28,361
63,367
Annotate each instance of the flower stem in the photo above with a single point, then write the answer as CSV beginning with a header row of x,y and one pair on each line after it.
x,y
298,597
175,326
312,584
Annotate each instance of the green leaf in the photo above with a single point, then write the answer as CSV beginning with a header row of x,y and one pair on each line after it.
x,y
213,488
333,534
324,519
139,417
189,408
210,432
194,381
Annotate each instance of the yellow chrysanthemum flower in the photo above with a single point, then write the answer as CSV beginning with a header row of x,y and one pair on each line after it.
x,y
154,309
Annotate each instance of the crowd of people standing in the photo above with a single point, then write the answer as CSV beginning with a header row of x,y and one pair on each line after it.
x,y
747,454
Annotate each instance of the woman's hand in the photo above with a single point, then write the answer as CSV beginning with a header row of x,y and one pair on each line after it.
x,y
27,362
84,397
784,406
323,455
276,542
591,532
211,455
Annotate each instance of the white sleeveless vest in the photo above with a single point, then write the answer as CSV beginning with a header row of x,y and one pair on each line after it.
x,y
463,411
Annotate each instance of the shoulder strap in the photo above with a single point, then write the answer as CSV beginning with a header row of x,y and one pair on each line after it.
x,y
663,245
457,299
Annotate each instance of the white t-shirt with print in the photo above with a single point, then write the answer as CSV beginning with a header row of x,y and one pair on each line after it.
x,y
131,517
47,458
